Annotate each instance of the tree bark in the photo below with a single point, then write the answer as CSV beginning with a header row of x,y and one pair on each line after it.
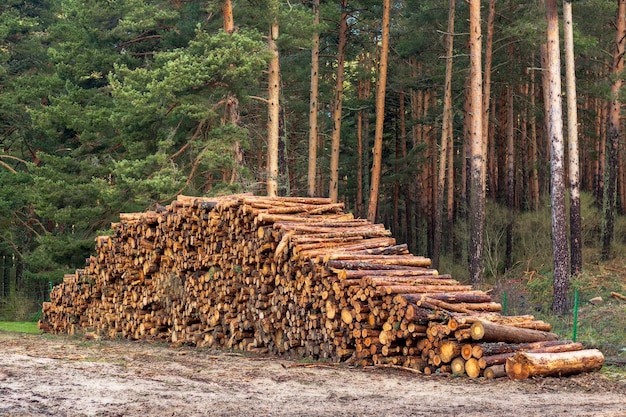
x,y
232,103
526,364
313,97
477,191
487,85
380,116
445,135
613,134
358,204
407,232
492,332
534,172
510,175
572,136
338,103
557,169
273,108
227,16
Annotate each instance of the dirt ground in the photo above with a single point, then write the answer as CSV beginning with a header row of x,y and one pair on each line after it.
x,y
66,376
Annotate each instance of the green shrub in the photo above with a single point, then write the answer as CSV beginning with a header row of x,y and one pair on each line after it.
x,y
18,307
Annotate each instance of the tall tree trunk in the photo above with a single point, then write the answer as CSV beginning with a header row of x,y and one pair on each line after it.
x,y
534,176
380,115
557,161
273,114
367,95
572,140
477,191
445,138
232,103
613,134
338,102
407,232
525,194
396,186
315,63
487,86
510,175
450,187
358,204
601,111
414,186
227,16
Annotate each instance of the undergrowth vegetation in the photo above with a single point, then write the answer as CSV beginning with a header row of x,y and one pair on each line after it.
x,y
527,287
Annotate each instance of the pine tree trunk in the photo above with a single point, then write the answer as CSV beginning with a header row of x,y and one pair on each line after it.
x,y
273,111
232,103
380,115
367,95
525,193
572,136
487,86
510,175
534,176
358,205
613,135
396,190
407,232
477,191
465,169
338,103
428,180
601,126
445,135
227,16
414,186
557,162
315,56
450,187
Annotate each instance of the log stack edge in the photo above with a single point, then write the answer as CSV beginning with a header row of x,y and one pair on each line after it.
x,y
296,276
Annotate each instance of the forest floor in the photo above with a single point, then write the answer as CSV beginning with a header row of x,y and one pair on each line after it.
x,y
44,375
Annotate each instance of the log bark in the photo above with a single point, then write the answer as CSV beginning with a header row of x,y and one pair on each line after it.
x,y
526,364
491,332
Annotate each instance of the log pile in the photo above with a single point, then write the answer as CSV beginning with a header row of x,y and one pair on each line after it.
x,y
289,276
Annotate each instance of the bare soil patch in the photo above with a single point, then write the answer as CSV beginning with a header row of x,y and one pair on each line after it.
x,y
63,376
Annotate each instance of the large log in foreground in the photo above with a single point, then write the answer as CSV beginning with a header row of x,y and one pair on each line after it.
x,y
527,364
286,275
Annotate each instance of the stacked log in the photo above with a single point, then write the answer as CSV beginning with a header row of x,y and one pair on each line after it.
x,y
291,276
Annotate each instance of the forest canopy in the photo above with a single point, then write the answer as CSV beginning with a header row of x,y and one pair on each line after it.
x,y
110,106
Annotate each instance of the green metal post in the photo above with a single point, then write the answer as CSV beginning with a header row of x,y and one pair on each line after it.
x,y
504,302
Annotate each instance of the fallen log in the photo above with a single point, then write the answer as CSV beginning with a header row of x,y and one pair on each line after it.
x,y
527,364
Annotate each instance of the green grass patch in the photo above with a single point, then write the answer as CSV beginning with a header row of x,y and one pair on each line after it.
x,y
19,327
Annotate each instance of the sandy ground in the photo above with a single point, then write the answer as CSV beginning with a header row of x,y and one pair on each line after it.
x,y
59,376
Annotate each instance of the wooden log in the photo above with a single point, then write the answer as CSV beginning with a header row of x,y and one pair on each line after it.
x,y
472,368
458,366
403,260
448,350
416,272
495,371
500,358
527,364
502,347
387,288
491,332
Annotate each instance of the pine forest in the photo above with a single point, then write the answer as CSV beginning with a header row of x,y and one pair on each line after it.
x,y
486,135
